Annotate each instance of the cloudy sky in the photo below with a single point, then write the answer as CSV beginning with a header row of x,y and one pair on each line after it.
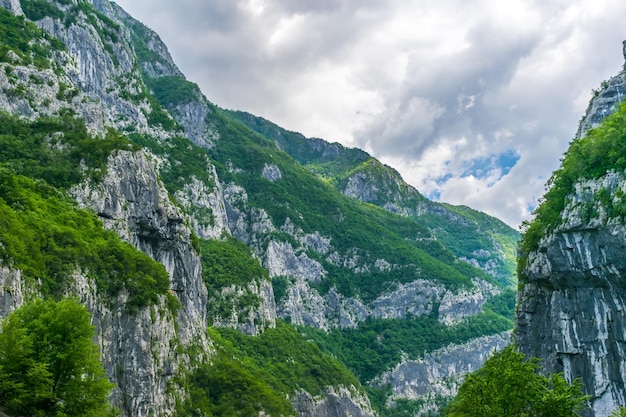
x,y
474,102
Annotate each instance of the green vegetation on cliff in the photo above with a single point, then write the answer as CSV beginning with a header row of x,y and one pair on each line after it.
x,y
327,160
590,157
314,206
27,41
511,385
171,91
49,365
227,264
379,344
184,160
44,235
58,149
38,9
253,374
465,232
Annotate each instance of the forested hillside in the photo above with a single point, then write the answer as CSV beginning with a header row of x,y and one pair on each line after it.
x,y
227,266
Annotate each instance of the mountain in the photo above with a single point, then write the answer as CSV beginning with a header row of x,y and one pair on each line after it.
x,y
228,264
571,301
472,236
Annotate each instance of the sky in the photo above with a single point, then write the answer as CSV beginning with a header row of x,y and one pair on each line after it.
x,y
473,102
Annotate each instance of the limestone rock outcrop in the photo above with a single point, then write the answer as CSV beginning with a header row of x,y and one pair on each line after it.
x,y
572,301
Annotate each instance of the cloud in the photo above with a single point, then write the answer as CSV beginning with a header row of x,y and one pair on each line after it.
x,y
473,102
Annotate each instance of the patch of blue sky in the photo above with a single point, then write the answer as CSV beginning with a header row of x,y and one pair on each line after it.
x,y
442,180
434,195
484,166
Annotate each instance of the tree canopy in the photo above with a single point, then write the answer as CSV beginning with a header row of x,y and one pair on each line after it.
x,y
49,365
510,385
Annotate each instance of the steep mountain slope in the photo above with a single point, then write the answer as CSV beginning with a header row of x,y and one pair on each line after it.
x,y
70,86
472,236
333,262
244,235
571,297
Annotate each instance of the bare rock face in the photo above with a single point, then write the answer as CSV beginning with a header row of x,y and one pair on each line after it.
x,y
13,6
338,402
133,202
604,102
141,351
252,321
572,310
439,374
205,206
271,172
385,187
11,291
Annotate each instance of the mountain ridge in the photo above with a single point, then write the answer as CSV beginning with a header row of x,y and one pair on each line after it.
x,y
181,179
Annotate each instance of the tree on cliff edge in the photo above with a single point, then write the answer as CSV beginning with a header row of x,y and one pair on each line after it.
x,y
509,385
49,365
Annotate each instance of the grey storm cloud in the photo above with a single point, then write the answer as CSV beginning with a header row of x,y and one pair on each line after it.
x,y
450,98
473,102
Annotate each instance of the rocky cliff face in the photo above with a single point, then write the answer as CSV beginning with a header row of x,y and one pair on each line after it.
x,y
140,352
572,311
436,377
12,6
571,305
99,78
304,305
341,402
604,102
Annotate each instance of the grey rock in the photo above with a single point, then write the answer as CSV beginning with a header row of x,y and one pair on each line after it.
x,y
386,188
419,297
304,305
271,172
205,206
192,116
13,6
281,260
252,321
11,290
604,103
457,305
361,187
248,224
337,402
440,373
415,298
140,351
572,311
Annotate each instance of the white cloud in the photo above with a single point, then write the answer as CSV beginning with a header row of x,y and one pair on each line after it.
x,y
428,87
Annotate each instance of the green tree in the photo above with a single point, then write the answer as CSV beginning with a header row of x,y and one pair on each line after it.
x,y
49,365
510,385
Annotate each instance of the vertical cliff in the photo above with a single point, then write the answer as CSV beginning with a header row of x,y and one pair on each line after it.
x,y
133,202
571,301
